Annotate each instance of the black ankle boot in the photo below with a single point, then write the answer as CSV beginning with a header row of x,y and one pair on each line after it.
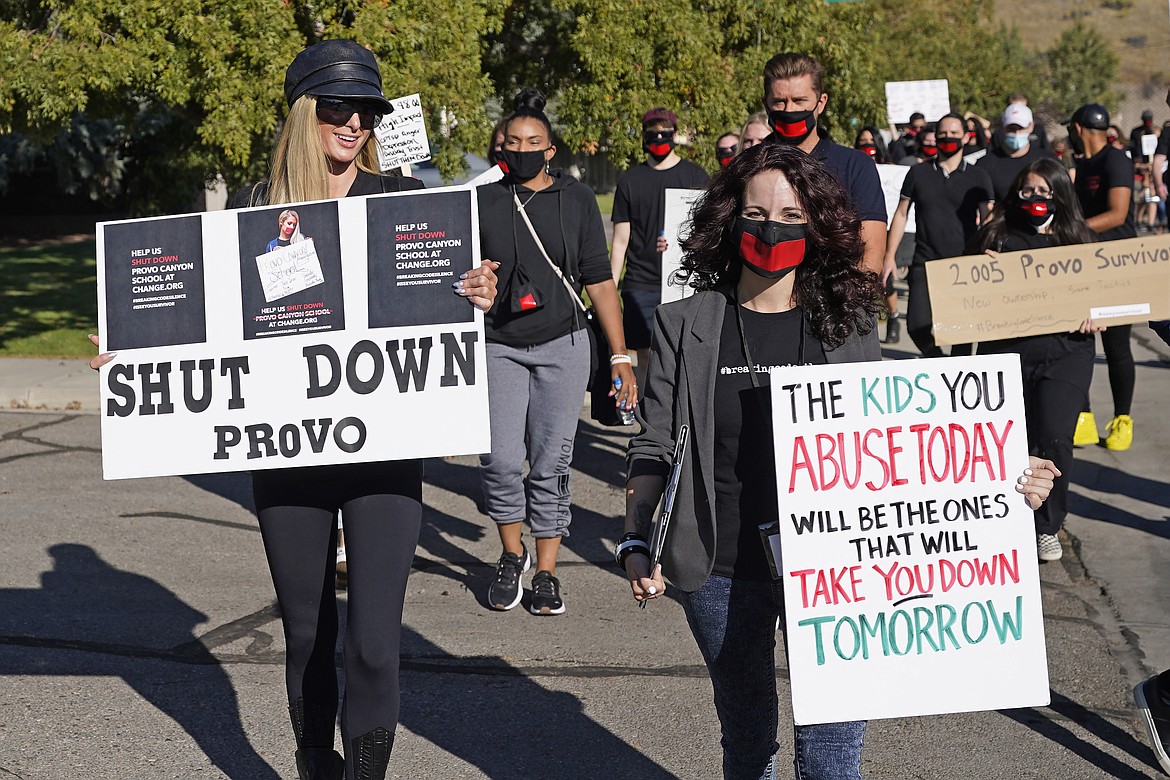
x,y
370,754
893,329
313,730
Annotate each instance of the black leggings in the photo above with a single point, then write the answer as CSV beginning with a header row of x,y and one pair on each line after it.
x,y
297,508
920,318
1122,374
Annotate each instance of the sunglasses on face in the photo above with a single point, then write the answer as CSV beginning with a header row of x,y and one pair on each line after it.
x,y
333,111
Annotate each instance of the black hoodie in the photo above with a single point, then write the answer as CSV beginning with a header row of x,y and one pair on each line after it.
x,y
567,219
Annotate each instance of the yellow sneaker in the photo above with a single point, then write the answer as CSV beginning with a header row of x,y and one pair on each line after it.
x,y
1086,432
1120,433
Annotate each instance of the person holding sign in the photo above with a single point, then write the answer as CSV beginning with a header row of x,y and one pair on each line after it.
x,y
289,224
1039,211
545,227
775,262
335,97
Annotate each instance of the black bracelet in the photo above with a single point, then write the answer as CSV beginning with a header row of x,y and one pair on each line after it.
x,y
629,544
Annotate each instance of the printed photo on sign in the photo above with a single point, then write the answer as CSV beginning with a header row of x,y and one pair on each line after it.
x,y
911,583
290,270
418,246
154,289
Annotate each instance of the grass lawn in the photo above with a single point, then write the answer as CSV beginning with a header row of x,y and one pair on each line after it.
x,y
48,301
605,203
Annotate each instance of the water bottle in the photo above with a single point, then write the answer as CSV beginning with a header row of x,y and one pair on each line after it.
x,y
626,415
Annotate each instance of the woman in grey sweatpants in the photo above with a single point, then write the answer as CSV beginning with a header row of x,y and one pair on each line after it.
x,y
538,351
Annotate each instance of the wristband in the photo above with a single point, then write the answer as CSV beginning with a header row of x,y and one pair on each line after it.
x,y
620,358
629,544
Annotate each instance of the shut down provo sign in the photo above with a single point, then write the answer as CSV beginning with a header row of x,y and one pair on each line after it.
x,y
985,298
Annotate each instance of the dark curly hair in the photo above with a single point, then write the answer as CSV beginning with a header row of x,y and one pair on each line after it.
x,y
837,295
1068,223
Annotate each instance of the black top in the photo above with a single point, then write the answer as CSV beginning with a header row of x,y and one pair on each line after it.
x,y
857,173
945,207
1003,169
640,200
1096,175
365,184
566,217
745,463
1047,348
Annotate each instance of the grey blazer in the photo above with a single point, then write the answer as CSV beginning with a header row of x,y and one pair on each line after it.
x,y
680,387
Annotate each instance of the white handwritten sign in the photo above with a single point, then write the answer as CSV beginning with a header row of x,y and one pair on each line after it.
x,y
931,98
402,135
911,584
289,269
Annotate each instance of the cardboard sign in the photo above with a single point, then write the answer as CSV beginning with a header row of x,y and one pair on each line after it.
x,y
305,360
980,298
892,178
931,98
402,134
911,583
677,215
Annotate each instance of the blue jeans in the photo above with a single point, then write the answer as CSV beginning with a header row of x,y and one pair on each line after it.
x,y
734,622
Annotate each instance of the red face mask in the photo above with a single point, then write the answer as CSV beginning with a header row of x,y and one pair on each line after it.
x,y
949,146
870,149
771,249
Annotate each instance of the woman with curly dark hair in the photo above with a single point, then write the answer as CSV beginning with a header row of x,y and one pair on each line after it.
x,y
775,258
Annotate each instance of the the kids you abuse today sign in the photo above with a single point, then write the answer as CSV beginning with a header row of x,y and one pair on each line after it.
x,y
911,582
305,334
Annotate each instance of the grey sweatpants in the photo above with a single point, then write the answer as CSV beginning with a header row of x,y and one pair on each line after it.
x,y
536,394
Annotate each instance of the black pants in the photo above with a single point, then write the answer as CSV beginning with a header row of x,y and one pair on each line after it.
x,y
1122,374
920,318
298,519
1057,370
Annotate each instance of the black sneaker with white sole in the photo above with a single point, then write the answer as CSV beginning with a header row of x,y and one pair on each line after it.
x,y
505,590
546,595
1153,699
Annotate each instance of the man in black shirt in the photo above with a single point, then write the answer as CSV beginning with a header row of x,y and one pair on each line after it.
x,y
1104,186
949,195
1015,151
639,207
1135,135
906,145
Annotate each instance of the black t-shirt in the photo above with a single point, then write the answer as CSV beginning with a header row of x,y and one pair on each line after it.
x,y
1096,175
640,200
745,464
1164,150
945,207
365,183
1004,169
857,173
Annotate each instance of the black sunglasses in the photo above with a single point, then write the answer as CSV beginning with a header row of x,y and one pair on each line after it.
x,y
333,111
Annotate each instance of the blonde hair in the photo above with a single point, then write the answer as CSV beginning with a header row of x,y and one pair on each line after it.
x,y
758,118
300,170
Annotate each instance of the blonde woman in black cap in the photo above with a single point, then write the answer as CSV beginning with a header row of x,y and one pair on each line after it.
x,y
334,91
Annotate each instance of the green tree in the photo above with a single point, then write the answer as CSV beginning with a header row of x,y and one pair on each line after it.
x,y
209,75
1081,69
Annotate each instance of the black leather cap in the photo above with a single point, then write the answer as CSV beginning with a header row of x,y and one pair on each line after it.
x,y
338,68
1091,116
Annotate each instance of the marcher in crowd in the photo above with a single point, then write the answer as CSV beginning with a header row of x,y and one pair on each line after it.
x,y
754,131
1040,211
869,140
906,144
775,261
1104,187
726,147
927,148
544,226
1015,152
1135,136
334,93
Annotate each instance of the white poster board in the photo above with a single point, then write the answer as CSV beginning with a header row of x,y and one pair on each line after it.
x,y
402,134
931,98
1149,145
354,350
677,214
892,178
911,582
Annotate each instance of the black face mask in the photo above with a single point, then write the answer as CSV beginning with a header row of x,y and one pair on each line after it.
x,y
791,127
658,143
770,249
949,147
523,166
725,156
1075,143
1038,211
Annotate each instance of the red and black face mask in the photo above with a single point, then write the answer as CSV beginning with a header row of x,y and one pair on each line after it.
x,y
870,149
949,147
725,155
1038,211
658,143
791,127
770,249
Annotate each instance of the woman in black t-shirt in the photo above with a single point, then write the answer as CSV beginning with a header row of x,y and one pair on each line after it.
x,y
1040,211
775,261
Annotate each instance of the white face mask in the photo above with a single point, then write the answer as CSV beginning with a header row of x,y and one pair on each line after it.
x,y
1015,141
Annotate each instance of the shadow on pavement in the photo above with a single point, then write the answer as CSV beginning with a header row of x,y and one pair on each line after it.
x,y
91,619
1104,479
487,713
1044,724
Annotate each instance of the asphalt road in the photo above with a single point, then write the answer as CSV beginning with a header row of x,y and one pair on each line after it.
x,y
138,635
